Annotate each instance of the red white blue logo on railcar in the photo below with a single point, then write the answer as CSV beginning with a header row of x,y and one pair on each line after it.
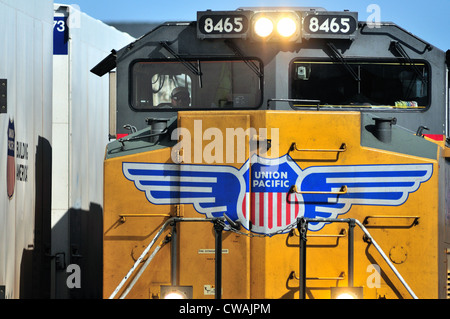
x,y
10,164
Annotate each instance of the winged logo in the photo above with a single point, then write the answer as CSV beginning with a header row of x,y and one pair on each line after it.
x,y
380,185
258,194
213,190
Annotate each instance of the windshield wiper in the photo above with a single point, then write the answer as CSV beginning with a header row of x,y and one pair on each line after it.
x,y
247,61
341,58
398,47
191,67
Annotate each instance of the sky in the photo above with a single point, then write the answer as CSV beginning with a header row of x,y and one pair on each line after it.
x,y
429,20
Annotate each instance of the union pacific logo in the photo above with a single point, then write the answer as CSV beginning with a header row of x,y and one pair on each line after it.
x,y
259,196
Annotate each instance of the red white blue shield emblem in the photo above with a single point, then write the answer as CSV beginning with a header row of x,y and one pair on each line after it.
x,y
271,207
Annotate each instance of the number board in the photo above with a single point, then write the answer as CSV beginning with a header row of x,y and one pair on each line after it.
x,y
222,24
60,36
341,25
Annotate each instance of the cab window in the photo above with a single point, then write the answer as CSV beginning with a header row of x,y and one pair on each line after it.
x,y
195,84
361,84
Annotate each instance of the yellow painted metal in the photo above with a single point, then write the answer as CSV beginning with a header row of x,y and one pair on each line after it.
x,y
123,239
263,267
447,152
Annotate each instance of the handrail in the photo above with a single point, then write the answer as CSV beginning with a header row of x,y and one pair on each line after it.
x,y
391,265
141,257
293,275
301,221
145,252
342,233
295,100
415,221
294,147
343,190
124,216
375,244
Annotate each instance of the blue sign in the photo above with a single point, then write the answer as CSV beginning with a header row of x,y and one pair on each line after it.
x,y
60,36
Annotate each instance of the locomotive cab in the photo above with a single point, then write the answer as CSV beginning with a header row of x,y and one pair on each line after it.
x,y
284,153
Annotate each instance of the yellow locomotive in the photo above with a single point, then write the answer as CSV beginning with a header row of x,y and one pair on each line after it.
x,y
277,153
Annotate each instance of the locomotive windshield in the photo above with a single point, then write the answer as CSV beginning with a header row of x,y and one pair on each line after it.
x,y
361,84
195,84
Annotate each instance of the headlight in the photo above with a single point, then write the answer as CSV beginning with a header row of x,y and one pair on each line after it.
x,y
344,295
276,26
263,27
175,295
176,292
286,27
346,292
